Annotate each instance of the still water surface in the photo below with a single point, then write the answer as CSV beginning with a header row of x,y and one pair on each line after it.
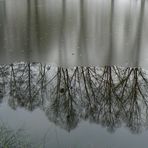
x,y
58,89
74,32
78,107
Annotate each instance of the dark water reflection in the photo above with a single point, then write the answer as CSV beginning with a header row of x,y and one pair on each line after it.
x,y
73,32
75,103
110,96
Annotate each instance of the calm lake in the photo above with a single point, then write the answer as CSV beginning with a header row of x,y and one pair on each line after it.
x,y
73,73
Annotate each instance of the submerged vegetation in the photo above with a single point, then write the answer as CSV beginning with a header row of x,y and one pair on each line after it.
x,y
13,139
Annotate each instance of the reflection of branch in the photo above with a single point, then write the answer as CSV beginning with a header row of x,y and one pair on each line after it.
x,y
109,95
3,81
25,85
63,104
133,91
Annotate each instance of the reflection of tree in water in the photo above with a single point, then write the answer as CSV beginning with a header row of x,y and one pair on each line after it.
x,y
25,84
64,100
108,96
106,106
134,93
3,80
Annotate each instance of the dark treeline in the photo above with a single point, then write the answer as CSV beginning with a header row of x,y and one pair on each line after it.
x,y
110,96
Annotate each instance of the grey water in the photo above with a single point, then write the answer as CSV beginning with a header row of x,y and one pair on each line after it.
x,y
77,107
74,32
73,73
